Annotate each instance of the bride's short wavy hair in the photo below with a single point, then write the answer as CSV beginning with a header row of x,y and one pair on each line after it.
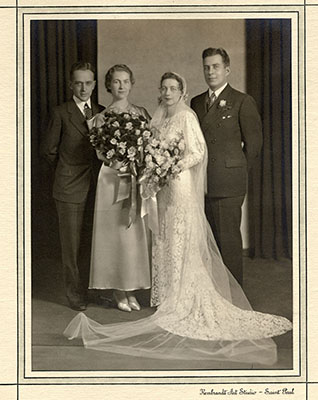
x,y
172,75
117,67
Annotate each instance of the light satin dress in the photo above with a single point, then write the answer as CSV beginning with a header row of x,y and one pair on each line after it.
x,y
120,257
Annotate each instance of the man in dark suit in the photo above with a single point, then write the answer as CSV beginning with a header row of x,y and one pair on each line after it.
x,y
67,148
232,128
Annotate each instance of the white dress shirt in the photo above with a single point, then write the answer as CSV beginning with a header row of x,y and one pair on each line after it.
x,y
217,92
80,104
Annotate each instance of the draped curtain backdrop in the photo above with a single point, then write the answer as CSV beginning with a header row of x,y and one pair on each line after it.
x,y
268,45
55,46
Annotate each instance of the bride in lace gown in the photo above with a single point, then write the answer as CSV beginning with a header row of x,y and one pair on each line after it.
x,y
202,312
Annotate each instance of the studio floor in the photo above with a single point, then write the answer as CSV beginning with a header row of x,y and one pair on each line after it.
x,y
267,284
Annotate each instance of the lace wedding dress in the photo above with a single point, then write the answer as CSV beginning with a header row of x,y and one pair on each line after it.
x,y
202,312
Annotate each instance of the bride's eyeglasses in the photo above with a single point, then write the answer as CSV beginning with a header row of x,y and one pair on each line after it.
x,y
173,89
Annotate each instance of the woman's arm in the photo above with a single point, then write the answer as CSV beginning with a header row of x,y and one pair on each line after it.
x,y
195,144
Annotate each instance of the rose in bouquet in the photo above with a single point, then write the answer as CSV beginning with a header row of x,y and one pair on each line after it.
x,y
121,140
161,163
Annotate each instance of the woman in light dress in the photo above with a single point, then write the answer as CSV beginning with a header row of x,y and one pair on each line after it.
x,y
202,312
120,255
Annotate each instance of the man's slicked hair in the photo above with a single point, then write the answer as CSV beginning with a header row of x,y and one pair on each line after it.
x,y
212,51
81,66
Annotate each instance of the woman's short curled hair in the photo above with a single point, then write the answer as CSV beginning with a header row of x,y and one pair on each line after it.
x,y
172,75
117,67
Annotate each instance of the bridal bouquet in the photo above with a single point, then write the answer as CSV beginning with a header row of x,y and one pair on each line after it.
x,y
161,163
121,140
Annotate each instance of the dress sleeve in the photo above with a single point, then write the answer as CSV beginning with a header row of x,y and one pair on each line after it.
x,y
147,115
142,111
195,144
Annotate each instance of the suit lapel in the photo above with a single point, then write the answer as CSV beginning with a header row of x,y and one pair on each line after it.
x,y
77,119
201,106
95,108
215,111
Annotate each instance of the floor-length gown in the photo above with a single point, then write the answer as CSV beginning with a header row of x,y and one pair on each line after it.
x,y
120,257
202,312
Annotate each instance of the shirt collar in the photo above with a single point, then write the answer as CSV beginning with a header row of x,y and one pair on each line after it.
x,y
80,104
217,91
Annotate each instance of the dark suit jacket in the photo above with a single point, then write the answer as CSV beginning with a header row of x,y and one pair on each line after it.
x,y
67,148
231,120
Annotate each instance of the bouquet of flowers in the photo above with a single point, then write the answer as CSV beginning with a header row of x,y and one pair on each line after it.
x,y
161,163
122,139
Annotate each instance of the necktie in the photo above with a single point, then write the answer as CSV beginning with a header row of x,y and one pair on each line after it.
x,y
211,100
87,111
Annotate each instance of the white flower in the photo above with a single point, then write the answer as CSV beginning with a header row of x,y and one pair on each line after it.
x,y
131,152
181,145
122,151
158,171
122,145
148,158
117,133
222,103
113,141
110,153
154,142
115,123
160,160
146,134
129,126
140,141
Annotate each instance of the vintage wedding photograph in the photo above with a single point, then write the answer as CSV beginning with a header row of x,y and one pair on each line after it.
x,y
161,194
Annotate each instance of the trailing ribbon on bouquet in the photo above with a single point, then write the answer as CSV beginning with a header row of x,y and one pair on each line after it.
x,y
127,188
149,207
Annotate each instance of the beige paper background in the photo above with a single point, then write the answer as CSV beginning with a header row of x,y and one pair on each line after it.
x,y
8,281
8,232
312,192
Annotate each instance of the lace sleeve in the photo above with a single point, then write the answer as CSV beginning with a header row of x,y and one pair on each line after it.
x,y
195,145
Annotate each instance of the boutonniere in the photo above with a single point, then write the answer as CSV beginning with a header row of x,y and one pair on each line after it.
x,y
224,105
